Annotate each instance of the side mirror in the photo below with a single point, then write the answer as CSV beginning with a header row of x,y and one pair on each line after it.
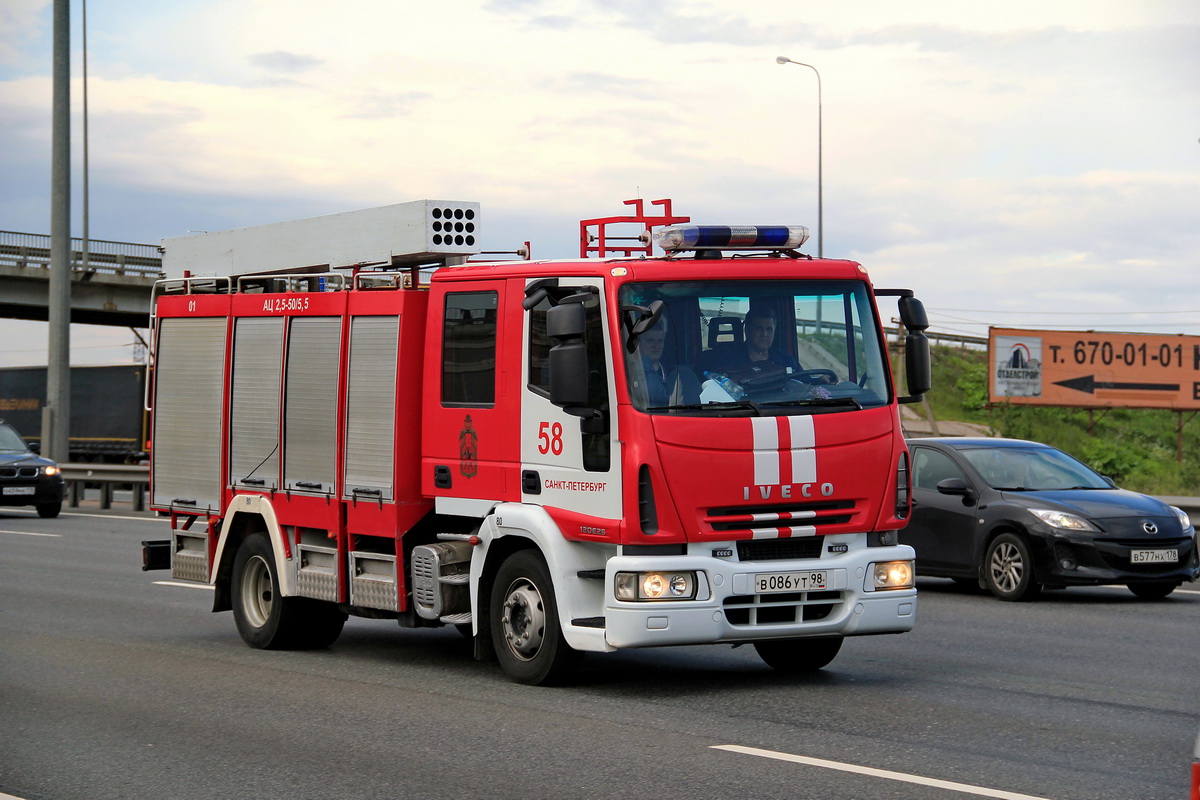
x,y
912,314
917,363
565,323
918,368
952,486
956,486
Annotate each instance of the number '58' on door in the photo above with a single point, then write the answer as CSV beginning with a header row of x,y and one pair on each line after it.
x,y
550,438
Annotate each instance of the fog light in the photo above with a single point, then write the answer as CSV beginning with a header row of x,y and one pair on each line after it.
x,y
643,586
1066,563
892,575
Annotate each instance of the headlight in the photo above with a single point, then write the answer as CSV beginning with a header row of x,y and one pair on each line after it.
x,y
1184,519
50,470
635,586
891,575
1061,519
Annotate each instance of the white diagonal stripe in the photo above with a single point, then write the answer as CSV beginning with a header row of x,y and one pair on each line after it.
x,y
804,453
766,450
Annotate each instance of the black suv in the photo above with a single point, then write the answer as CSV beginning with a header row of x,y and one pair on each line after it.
x,y
27,479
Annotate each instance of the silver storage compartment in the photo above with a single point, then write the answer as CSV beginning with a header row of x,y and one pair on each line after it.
x,y
373,581
316,573
441,580
189,556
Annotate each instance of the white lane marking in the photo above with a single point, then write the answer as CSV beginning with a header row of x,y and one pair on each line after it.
x,y
22,512
878,773
30,533
184,585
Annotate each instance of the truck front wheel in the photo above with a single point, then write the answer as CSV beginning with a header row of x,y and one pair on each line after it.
x,y
798,656
267,620
524,623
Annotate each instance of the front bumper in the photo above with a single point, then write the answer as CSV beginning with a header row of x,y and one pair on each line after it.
x,y
728,610
1074,560
44,491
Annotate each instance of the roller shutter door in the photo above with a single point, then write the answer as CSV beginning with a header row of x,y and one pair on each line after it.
x,y
188,381
371,407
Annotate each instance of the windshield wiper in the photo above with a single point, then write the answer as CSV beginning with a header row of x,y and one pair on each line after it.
x,y
714,406
820,401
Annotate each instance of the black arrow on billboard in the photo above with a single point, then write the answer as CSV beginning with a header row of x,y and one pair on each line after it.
x,y
1089,384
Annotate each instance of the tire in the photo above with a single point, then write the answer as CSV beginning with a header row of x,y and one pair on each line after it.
x,y
1153,590
269,621
1008,569
49,510
799,656
524,623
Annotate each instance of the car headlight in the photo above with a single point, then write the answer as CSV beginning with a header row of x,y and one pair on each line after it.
x,y
51,470
887,575
648,586
1061,519
1184,519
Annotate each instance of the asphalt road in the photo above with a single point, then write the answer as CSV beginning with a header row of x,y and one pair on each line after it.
x,y
114,685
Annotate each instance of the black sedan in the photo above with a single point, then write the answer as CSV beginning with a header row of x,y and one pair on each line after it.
x,y
26,479
1015,517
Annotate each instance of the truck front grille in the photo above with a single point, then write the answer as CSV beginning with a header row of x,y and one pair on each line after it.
x,y
785,519
761,610
779,549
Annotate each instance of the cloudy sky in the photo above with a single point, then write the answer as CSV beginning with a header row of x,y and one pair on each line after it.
x,y
1027,163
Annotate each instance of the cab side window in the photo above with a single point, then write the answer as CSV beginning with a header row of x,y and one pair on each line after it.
x,y
469,349
931,468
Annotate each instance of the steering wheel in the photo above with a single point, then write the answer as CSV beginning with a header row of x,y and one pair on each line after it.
x,y
816,376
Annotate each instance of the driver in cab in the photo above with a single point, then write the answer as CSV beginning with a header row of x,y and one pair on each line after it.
x,y
758,349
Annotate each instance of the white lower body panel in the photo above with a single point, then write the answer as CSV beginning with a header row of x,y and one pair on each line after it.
x,y
731,612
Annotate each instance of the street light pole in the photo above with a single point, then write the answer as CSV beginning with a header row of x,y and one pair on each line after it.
x,y
820,160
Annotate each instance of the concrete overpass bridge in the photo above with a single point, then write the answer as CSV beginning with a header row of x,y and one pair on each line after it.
x,y
113,289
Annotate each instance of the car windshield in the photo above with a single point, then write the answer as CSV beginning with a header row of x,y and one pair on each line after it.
x,y
754,347
10,441
1031,469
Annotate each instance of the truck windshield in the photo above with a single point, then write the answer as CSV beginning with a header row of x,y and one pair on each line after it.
x,y
755,347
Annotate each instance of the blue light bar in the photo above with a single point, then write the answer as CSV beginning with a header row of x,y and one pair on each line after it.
x,y
731,237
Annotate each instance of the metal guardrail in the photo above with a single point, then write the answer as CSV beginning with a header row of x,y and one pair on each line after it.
x,y
32,251
137,477
109,477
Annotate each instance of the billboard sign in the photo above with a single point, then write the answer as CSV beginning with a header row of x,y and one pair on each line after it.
x,y
1094,370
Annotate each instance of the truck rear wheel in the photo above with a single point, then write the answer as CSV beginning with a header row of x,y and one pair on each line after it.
x,y
267,620
524,623
798,656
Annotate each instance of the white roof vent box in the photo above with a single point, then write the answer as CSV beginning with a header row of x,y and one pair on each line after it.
x,y
419,232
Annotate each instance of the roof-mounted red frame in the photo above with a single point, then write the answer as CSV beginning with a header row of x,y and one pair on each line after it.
x,y
598,242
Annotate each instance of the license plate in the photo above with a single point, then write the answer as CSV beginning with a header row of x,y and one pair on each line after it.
x,y
1153,556
19,489
769,582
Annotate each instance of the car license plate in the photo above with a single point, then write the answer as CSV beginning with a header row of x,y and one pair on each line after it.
x,y
1153,556
769,582
18,490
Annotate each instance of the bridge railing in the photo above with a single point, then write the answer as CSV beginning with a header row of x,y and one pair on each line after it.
x,y
32,251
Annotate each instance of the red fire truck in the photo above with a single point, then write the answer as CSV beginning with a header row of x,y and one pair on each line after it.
x,y
351,417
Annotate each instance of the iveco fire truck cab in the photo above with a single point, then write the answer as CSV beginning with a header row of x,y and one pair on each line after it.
x,y
556,456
